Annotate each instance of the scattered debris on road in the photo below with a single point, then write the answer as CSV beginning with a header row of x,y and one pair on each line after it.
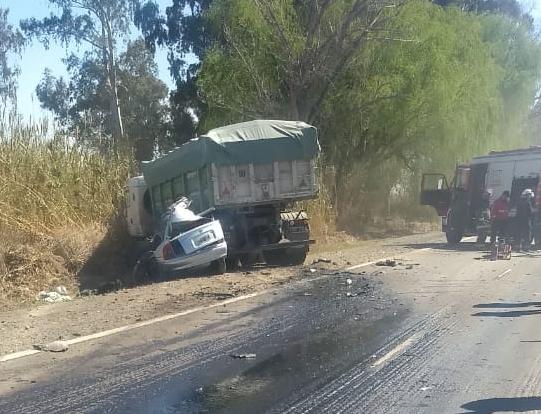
x,y
243,356
56,346
388,263
60,294
320,260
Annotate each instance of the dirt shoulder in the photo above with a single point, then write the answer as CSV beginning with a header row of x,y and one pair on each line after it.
x,y
43,323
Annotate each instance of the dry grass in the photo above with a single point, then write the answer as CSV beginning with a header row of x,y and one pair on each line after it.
x,y
57,200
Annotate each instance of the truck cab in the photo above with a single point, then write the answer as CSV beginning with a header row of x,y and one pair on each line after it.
x,y
464,204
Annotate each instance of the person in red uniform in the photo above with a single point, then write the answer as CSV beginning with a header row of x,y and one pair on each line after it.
x,y
499,214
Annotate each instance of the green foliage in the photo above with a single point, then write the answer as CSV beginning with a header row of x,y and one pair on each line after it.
x,y
431,87
185,32
99,24
282,58
49,184
83,108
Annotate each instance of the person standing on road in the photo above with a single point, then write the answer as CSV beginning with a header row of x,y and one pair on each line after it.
x,y
524,217
499,215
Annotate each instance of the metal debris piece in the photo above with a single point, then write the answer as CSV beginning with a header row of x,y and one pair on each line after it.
x,y
388,262
243,356
56,346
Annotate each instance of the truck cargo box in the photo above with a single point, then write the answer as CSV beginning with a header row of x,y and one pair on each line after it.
x,y
247,164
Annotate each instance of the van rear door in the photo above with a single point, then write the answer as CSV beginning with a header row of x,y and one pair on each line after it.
x,y
435,192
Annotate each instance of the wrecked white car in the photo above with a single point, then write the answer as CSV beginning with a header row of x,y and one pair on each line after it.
x,y
186,240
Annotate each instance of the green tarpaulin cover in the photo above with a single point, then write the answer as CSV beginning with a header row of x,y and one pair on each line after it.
x,y
257,142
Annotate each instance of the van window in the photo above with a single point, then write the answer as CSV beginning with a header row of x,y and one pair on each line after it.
x,y
495,178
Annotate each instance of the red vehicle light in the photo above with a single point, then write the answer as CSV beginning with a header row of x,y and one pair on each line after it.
x,y
167,251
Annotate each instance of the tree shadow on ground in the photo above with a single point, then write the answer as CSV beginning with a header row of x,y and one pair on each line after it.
x,y
111,264
461,247
508,313
508,305
503,405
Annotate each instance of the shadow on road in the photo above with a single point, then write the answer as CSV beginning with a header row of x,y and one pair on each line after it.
x,y
508,314
508,305
503,405
461,247
497,313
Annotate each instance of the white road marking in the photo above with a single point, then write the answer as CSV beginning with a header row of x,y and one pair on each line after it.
x,y
399,349
22,354
109,332
503,274
17,355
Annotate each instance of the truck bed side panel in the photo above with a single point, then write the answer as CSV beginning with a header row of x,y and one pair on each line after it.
x,y
261,183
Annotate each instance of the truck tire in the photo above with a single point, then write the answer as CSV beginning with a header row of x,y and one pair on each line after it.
x,y
218,266
297,256
285,257
453,236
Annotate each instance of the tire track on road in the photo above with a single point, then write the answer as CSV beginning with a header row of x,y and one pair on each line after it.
x,y
354,386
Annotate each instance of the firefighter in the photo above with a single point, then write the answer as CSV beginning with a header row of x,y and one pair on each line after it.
x,y
499,215
524,217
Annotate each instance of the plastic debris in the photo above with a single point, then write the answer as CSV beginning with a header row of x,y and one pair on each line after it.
x,y
312,270
349,281
53,297
61,290
56,346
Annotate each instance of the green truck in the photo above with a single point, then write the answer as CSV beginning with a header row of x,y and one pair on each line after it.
x,y
248,176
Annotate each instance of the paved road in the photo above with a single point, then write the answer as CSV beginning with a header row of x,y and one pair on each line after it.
x,y
445,332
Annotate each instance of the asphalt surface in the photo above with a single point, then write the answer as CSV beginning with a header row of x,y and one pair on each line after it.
x,y
445,331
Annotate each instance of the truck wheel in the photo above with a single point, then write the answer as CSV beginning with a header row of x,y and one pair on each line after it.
x,y
453,236
218,266
297,256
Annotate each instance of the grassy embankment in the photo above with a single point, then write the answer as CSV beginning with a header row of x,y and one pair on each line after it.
x,y
62,216
57,204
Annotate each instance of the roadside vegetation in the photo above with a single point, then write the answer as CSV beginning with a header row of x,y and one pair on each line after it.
x,y
395,88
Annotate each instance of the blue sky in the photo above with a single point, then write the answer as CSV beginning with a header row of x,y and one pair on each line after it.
x,y
35,58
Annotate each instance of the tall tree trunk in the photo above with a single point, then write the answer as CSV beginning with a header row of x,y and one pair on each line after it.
x,y
114,104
